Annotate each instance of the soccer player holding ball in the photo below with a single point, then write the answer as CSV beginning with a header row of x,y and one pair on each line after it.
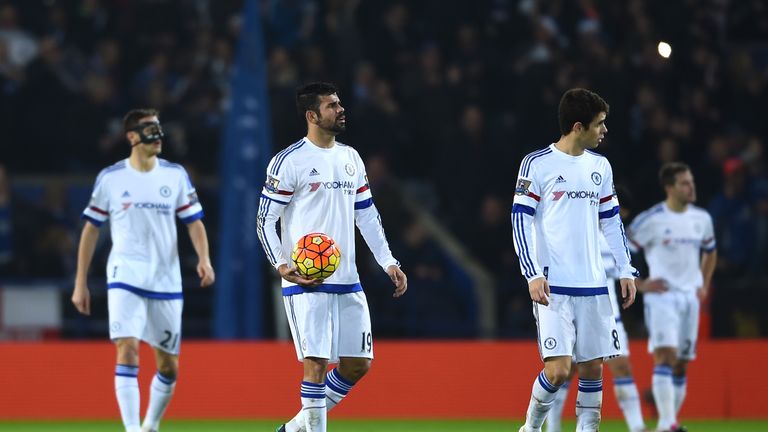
x,y
564,195
319,185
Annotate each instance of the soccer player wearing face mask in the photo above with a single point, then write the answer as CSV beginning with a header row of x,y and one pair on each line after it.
x,y
142,196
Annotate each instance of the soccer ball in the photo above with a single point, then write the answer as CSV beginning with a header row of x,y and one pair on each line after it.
x,y
316,256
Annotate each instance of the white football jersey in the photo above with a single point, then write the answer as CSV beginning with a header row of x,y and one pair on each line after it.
x,y
673,243
313,189
561,203
141,208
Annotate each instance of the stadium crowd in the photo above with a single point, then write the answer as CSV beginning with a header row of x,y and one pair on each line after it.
x,y
443,102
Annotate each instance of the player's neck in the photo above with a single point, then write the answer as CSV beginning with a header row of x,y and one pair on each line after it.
x,y
141,162
568,145
321,138
676,206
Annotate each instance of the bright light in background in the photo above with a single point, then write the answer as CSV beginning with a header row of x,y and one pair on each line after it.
x,y
665,50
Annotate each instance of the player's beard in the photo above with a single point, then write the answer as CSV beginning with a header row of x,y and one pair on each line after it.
x,y
335,128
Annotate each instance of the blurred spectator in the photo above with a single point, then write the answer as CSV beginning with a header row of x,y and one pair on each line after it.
x,y
489,238
437,305
448,98
290,22
734,221
20,45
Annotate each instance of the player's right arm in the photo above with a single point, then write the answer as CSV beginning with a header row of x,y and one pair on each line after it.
x,y
95,214
527,197
275,196
81,296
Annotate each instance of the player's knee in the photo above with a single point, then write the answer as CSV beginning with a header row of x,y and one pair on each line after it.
x,y
169,369
127,351
558,374
666,356
620,367
591,369
354,371
680,369
314,369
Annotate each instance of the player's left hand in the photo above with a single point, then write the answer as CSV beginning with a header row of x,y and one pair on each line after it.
x,y
206,273
701,293
399,279
628,291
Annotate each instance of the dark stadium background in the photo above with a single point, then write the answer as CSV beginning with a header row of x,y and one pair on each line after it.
x,y
443,99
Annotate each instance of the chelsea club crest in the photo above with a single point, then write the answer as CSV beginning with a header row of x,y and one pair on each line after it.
x,y
597,178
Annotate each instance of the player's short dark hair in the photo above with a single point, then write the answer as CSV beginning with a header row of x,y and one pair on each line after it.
x,y
669,171
308,96
579,105
131,120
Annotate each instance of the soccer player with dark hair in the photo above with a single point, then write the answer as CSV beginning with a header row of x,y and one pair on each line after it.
x,y
319,185
564,196
142,196
679,245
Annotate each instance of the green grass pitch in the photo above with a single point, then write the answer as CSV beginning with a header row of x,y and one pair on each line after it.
x,y
360,426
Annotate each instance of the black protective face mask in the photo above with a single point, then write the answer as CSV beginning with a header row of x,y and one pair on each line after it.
x,y
149,132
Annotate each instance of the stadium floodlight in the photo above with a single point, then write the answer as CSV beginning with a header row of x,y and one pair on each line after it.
x,y
665,49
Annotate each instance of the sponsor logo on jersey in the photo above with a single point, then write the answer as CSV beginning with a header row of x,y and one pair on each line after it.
x,y
165,191
161,208
597,178
522,187
271,184
560,179
126,194
314,172
582,194
348,185
680,241
152,206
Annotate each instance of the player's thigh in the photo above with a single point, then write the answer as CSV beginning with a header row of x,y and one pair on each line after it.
x,y
689,329
127,314
554,323
355,338
662,318
163,329
309,317
596,332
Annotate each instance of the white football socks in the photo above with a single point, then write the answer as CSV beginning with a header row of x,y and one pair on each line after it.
x,y
127,392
